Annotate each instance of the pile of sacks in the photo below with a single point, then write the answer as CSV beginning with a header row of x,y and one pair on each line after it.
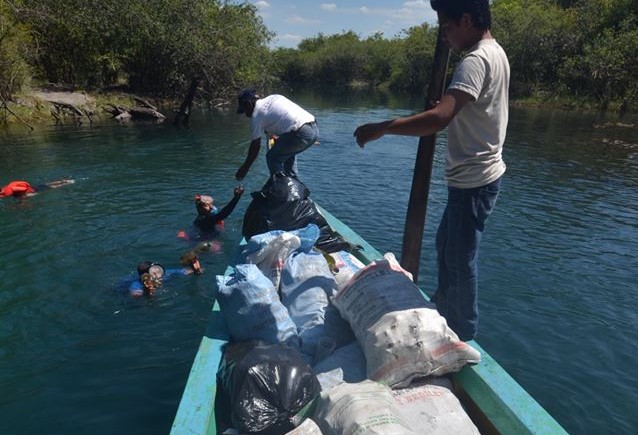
x,y
320,343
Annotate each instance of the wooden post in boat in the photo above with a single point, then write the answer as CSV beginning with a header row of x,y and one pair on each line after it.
x,y
417,205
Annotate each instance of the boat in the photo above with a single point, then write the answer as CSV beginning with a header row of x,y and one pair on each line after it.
x,y
494,401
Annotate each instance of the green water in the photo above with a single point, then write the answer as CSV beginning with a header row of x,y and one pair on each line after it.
x,y
557,291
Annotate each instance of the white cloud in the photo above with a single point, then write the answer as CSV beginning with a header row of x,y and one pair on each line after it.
x,y
262,4
418,4
412,12
296,19
290,37
328,6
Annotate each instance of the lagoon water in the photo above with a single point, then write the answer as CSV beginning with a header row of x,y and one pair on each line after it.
x,y
557,269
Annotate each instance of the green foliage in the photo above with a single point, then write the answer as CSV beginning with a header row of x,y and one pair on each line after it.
x,y
583,48
154,46
537,35
14,42
340,59
413,65
608,65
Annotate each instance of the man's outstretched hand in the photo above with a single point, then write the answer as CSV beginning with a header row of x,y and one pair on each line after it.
x,y
368,132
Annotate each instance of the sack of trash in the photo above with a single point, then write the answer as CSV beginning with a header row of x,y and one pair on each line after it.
x,y
251,307
262,387
402,335
270,250
430,407
284,203
363,408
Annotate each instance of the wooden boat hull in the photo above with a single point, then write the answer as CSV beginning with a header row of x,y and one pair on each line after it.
x,y
493,399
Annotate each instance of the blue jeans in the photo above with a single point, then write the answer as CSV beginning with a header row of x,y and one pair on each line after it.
x,y
457,246
281,157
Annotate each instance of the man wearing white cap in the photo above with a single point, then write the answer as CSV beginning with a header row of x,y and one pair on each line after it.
x,y
290,130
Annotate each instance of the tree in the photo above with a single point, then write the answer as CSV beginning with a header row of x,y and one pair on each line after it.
x,y
15,41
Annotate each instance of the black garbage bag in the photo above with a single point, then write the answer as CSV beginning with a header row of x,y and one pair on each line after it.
x,y
284,203
262,386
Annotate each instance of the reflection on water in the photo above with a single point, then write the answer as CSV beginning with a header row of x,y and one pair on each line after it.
x,y
557,295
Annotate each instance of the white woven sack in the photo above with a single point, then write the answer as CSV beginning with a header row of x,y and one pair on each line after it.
x,y
411,344
308,427
402,336
433,409
366,408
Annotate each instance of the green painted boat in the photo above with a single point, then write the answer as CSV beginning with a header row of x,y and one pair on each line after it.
x,y
495,402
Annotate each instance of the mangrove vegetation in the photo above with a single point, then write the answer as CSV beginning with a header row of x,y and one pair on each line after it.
x,y
582,52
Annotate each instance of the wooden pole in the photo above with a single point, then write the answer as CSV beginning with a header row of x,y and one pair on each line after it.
x,y
417,205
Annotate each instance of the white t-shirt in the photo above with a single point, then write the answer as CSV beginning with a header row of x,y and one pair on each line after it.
x,y
276,114
477,132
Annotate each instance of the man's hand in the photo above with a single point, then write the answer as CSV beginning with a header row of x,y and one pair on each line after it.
x,y
238,191
367,132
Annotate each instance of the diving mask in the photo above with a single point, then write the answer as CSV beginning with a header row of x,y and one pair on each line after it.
x,y
156,271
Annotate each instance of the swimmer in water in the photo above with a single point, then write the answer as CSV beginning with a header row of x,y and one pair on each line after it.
x,y
208,219
152,275
21,189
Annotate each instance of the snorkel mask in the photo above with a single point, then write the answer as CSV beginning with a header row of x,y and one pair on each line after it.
x,y
156,271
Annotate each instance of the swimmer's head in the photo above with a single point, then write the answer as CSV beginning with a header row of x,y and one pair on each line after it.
x,y
149,284
190,259
204,204
203,247
155,270
143,267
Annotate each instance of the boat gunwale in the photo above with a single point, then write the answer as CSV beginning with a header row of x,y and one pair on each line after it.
x,y
493,399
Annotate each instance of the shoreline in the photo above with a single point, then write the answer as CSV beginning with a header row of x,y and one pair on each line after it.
x,y
44,106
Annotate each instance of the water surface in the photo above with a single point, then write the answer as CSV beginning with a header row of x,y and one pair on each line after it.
x,y
557,295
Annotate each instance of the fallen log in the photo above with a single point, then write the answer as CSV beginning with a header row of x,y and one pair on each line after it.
x,y
143,103
121,112
60,105
145,113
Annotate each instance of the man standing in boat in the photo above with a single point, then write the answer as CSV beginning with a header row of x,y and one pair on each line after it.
x,y
475,111
289,128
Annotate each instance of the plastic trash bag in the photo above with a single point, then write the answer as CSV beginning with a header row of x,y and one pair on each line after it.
x,y
261,387
270,250
283,203
251,307
305,287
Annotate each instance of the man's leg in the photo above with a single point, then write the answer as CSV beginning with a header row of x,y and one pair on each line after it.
x,y
467,210
282,156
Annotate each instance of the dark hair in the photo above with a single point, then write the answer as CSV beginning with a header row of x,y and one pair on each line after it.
x,y
143,267
479,10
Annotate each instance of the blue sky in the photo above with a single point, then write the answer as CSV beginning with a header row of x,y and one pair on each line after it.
x,y
295,20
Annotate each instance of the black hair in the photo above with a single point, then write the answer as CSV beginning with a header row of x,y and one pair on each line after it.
x,y
479,10
143,267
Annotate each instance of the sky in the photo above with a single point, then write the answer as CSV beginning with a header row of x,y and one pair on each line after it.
x,y
293,21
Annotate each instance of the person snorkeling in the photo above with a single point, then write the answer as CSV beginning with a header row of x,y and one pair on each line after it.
x,y
152,275
21,188
209,219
